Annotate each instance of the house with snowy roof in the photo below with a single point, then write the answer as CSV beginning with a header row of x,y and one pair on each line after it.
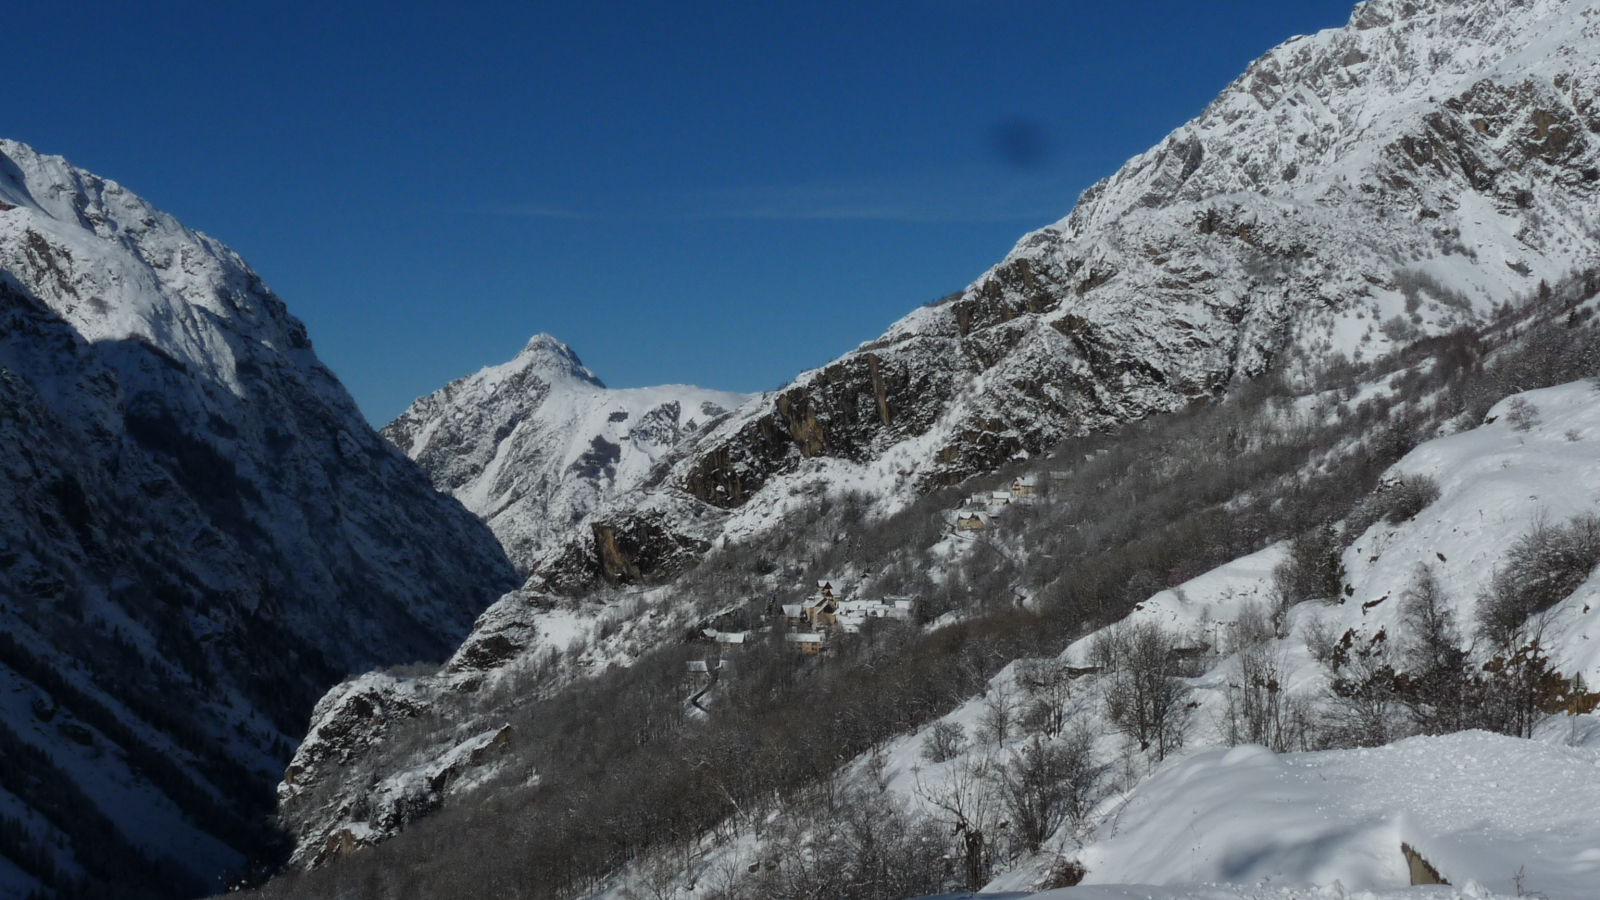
x,y
703,669
971,521
822,613
820,610
807,642
852,614
1024,486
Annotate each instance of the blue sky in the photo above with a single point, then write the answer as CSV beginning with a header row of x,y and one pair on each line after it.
x,y
717,193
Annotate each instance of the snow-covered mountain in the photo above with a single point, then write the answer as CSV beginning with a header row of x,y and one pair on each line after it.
x,y
199,534
536,444
1352,190
1410,173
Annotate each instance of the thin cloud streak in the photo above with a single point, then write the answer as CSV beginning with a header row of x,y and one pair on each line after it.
x,y
970,195
539,212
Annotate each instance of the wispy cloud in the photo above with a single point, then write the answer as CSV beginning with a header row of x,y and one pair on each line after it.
x,y
971,194
523,211
976,195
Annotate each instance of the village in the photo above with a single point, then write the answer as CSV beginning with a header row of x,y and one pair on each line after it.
x,y
810,625
978,512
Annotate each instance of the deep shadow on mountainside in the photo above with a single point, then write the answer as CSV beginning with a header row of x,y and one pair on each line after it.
x,y
199,535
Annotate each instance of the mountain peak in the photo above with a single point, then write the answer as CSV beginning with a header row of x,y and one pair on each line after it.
x,y
555,360
535,444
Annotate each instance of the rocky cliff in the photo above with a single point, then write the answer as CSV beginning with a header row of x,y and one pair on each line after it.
x,y
1352,190
199,534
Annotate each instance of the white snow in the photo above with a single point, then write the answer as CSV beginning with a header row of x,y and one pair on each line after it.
x,y
1476,806
535,445
1471,891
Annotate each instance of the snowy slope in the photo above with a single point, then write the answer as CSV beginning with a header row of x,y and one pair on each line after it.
x,y
1471,891
536,444
199,534
1351,190
1496,483
1477,806
191,336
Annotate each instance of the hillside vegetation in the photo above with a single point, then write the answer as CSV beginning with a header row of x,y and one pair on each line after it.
x,y
618,772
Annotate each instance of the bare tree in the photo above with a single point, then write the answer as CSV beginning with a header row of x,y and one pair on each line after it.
x,y
999,717
1312,571
966,802
1519,686
1048,683
1437,673
1259,708
1045,784
1145,698
1367,704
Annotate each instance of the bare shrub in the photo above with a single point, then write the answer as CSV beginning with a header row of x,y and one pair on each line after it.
x,y
1251,627
1321,642
1414,284
1063,874
1045,784
866,847
1407,496
1400,331
1313,570
1394,501
944,742
1522,414
1542,568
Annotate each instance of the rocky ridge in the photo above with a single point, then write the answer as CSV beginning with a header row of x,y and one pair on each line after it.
x,y
1352,190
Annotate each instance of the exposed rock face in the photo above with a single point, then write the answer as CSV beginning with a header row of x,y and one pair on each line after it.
x,y
504,632
198,534
537,444
349,786
1401,171
639,544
